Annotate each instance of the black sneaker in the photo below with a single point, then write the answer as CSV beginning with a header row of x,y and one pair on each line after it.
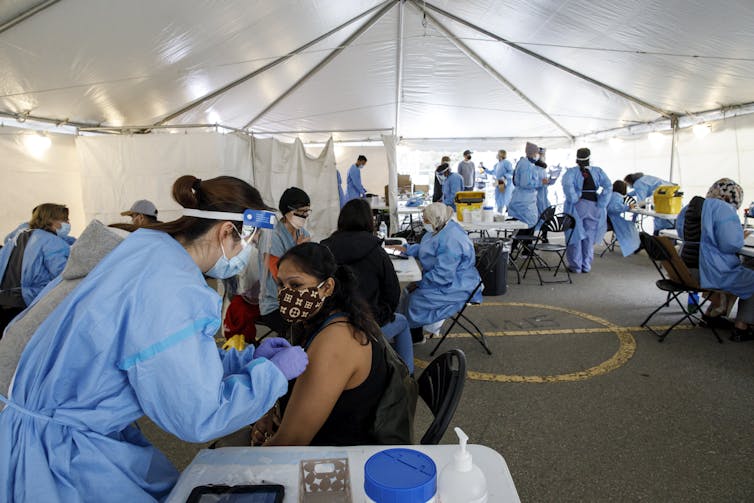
x,y
716,322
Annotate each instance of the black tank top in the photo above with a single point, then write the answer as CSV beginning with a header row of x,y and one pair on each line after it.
x,y
589,189
351,419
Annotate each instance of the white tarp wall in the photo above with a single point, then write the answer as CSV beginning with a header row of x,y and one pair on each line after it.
x,y
31,174
118,170
279,165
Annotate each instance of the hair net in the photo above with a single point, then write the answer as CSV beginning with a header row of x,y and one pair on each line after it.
x,y
727,190
437,214
531,149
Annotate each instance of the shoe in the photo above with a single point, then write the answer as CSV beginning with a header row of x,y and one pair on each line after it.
x,y
742,335
716,322
574,271
585,271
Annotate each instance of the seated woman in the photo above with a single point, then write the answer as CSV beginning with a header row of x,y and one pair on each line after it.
x,y
625,230
335,400
289,231
32,258
449,273
355,245
720,267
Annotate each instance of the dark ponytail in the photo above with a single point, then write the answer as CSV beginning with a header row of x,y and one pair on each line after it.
x,y
317,260
223,193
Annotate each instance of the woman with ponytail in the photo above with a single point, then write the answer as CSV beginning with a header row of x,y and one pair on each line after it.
x,y
335,400
136,338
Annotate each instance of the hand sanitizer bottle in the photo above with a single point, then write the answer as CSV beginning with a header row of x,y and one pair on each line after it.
x,y
461,481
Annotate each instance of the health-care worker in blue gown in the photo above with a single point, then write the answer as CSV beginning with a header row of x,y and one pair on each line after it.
x,y
135,338
587,191
341,195
449,275
33,255
625,230
354,188
720,267
452,184
642,188
543,201
503,173
527,179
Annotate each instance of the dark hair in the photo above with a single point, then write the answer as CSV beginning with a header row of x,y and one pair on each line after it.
x,y
317,260
356,215
44,214
362,158
633,177
224,193
152,219
619,186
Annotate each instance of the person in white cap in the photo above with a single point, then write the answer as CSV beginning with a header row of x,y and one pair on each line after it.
x,y
142,213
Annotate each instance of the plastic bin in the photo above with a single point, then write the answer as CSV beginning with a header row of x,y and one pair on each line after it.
x,y
495,281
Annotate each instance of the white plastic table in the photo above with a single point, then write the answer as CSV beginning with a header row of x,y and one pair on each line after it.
x,y
649,213
407,270
280,465
486,227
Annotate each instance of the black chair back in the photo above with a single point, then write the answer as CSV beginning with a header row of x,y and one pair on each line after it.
x,y
561,222
440,386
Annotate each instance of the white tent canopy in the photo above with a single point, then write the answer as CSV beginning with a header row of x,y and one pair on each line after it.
x,y
468,69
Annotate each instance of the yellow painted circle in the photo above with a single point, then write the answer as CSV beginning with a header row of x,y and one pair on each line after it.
x,y
624,353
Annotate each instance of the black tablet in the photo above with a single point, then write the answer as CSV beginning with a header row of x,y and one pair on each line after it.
x,y
269,493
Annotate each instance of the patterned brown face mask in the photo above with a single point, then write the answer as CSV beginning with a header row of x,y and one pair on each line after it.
x,y
298,305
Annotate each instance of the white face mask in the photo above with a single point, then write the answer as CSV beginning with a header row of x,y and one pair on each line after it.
x,y
429,228
297,222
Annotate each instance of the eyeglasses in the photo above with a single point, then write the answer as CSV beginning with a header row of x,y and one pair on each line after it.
x,y
301,213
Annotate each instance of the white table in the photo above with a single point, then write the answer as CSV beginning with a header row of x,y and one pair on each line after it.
x,y
649,213
486,227
747,250
408,270
280,465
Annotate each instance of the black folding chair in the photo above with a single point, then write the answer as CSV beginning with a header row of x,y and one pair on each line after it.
x,y
561,223
440,386
675,279
485,263
609,245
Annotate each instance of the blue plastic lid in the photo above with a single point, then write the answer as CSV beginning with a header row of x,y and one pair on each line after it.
x,y
400,476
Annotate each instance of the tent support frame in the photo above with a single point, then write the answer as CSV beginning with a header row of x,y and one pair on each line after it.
x,y
622,94
263,69
332,55
27,14
399,72
491,71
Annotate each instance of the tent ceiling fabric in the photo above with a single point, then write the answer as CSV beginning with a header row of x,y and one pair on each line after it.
x,y
133,63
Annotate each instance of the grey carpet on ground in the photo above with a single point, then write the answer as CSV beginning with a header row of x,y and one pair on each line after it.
x,y
674,423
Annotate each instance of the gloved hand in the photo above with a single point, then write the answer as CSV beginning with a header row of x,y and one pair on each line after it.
x,y
291,361
271,346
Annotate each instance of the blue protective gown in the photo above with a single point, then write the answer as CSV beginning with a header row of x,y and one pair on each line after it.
x,y
136,337
591,223
450,187
523,204
45,257
341,196
355,189
643,189
15,231
625,230
449,275
542,201
503,170
720,267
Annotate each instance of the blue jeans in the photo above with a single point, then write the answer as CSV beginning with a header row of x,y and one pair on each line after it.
x,y
398,335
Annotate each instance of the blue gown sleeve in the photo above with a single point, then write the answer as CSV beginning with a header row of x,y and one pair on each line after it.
x,y
569,190
55,256
607,189
444,271
413,250
234,361
728,232
356,175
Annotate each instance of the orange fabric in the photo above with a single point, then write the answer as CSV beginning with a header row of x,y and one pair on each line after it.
x,y
272,263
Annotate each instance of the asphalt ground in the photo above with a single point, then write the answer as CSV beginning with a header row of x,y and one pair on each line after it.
x,y
586,406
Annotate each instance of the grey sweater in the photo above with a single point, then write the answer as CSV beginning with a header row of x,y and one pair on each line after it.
x,y
95,242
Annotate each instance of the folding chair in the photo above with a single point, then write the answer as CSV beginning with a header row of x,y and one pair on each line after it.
x,y
675,279
485,263
440,386
561,223
609,245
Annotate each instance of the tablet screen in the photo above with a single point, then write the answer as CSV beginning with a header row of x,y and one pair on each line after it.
x,y
237,494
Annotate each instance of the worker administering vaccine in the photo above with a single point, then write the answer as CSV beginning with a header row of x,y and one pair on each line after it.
x,y
135,338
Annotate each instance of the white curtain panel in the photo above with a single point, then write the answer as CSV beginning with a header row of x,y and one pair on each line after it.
x,y
279,165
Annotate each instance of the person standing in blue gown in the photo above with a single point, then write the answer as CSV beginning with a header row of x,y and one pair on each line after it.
x,y
503,173
452,184
136,338
354,188
527,179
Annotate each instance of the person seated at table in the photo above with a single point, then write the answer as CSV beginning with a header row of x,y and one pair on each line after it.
x,y
642,188
720,267
449,275
335,400
295,207
355,245
625,230
452,184
32,258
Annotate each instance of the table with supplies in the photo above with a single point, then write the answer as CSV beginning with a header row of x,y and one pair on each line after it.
x,y
747,250
485,228
644,212
291,467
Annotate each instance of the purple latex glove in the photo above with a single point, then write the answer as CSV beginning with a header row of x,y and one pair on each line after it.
x,y
270,347
291,361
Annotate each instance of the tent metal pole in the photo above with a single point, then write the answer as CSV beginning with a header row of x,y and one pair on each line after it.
x,y
399,76
494,73
629,97
27,14
313,131
263,69
673,147
23,117
484,138
368,24
94,129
